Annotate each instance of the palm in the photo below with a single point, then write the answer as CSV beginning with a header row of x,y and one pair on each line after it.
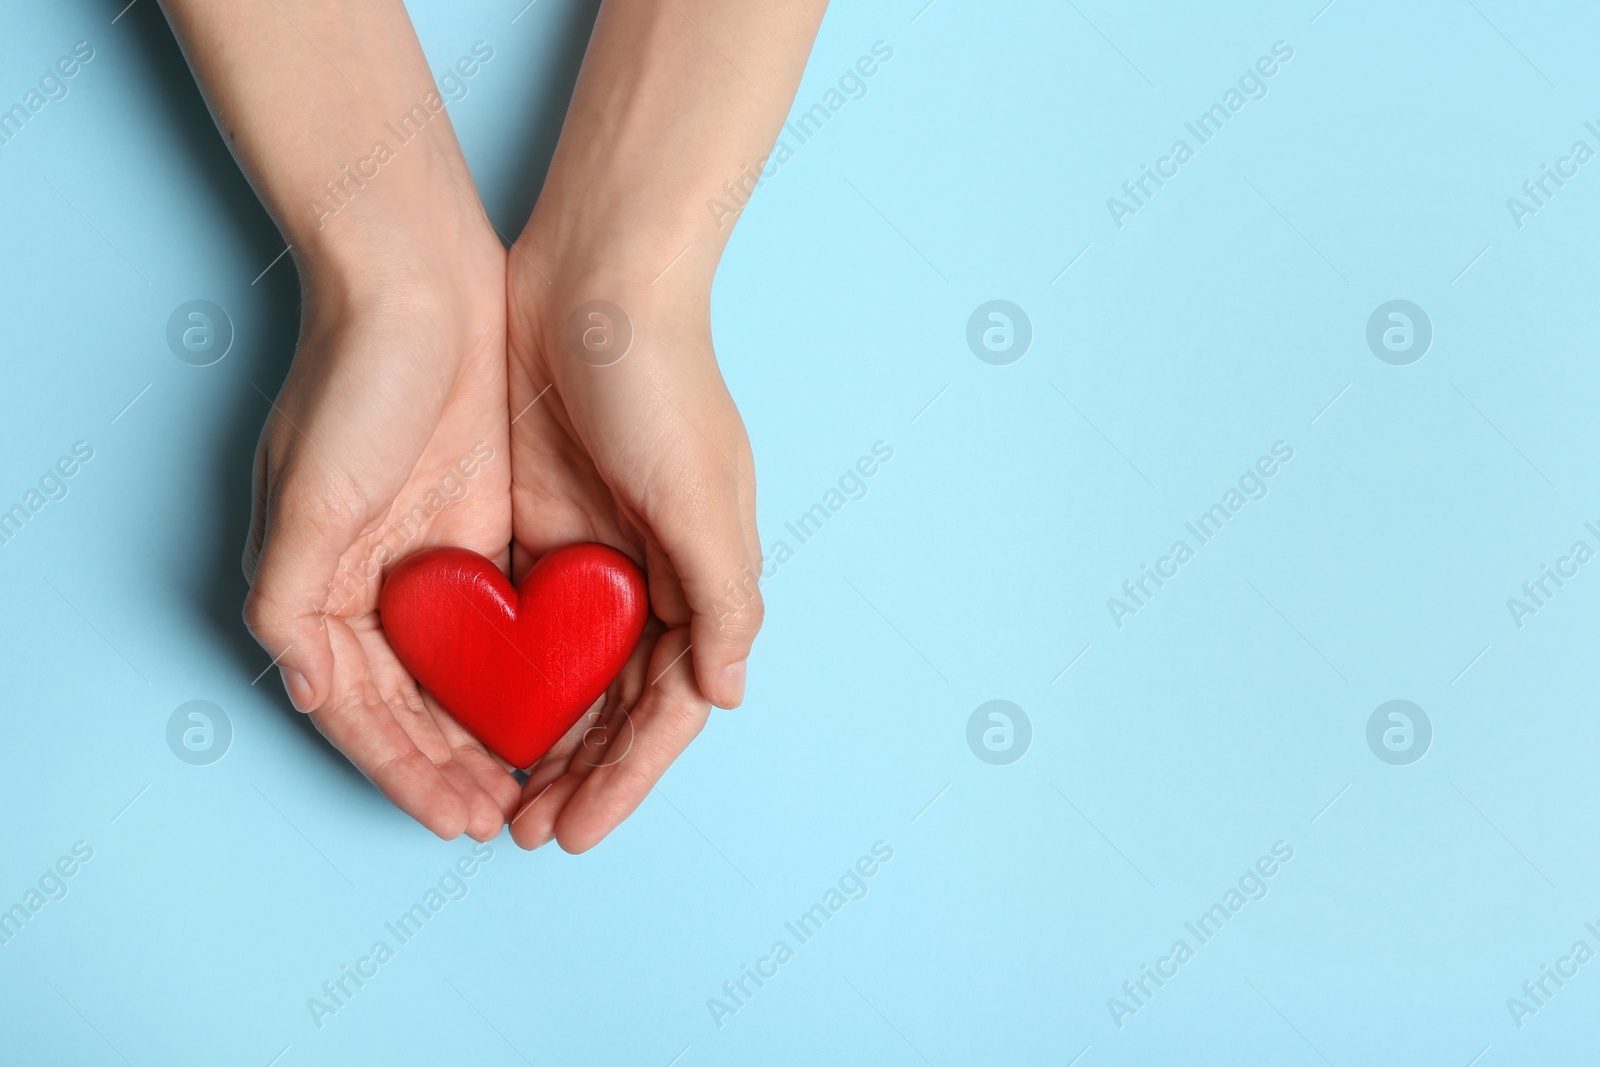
x,y
576,476
408,473
414,750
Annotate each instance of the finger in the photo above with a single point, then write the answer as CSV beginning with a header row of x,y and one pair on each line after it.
x,y
372,731
502,560
484,817
492,778
667,601
606,741
669,715
702,534
534,824
553,779
747,506
371,738
312,517
378,748
442,741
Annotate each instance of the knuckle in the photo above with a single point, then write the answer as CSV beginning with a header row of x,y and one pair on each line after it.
x,y
267,618
633,781
737,616
675,732
259,615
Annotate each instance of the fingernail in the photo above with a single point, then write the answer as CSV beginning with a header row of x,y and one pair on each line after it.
x,y
731,684
299,690
535,845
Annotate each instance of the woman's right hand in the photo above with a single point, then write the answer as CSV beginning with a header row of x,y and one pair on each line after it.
x,y
390,433
389,436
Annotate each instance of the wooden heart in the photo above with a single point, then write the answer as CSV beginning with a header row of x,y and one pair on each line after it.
x,y
516,667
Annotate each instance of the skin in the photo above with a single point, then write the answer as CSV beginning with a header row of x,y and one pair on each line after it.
x,y
423,340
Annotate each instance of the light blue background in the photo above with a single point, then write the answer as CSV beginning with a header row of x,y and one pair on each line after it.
x,y
1224,717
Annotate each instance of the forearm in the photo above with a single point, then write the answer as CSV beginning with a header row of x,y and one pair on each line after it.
x,y
675,99
333,115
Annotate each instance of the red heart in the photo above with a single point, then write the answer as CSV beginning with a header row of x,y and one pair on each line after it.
x,y
515,667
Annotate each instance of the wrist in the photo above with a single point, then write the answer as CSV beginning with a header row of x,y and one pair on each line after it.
x,y
604,326
664,141
399,250
391,225
451,291
625,228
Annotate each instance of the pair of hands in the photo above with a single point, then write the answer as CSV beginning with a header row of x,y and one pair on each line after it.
x,y
438,398
435,399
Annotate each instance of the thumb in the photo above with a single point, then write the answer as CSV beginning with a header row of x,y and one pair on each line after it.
x,y
305,530
705,542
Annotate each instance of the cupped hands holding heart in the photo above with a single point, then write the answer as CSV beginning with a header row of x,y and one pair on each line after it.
x,y
428,352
